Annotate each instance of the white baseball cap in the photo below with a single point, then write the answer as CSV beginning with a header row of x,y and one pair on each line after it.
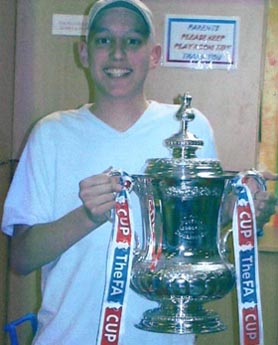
x,y
134,5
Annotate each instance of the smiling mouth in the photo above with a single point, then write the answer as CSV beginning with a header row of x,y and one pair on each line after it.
x,y
117,72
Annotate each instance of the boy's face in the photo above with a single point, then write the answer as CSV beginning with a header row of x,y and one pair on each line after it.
x,y
120,54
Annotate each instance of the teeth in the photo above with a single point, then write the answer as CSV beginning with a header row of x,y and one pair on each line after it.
x,y
116,72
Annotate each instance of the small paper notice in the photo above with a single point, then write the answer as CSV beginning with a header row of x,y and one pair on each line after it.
x,y
69,24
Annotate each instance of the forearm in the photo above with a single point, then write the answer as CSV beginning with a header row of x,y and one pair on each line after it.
x,y
33,247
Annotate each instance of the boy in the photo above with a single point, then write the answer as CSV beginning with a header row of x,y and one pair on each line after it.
x,y
58,205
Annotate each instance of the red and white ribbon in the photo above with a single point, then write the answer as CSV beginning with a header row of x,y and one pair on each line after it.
x,y
247,269
119,261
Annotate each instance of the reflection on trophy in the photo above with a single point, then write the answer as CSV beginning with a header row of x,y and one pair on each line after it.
x,y
181,263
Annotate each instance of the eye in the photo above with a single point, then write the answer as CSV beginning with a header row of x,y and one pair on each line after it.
x,y
135,42
102,41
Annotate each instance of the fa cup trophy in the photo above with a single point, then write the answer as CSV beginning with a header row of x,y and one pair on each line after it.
x,y
182,263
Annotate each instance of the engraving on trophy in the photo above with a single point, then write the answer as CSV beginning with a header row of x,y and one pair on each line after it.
x,y
190,229
185,192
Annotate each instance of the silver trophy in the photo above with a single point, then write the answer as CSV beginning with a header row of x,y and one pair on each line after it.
x,y
181,262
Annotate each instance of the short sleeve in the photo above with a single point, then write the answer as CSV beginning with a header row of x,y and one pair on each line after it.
x,y
30,194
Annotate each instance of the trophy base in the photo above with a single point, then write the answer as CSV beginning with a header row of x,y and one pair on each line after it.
x,y
186,322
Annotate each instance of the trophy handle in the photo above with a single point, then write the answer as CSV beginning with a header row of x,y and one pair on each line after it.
x,y
257,176
223,243
261,184
229,194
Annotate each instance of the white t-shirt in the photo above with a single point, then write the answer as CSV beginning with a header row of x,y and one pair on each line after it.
x,y
64,148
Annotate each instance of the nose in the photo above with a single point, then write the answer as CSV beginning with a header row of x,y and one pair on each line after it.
x,y
118,49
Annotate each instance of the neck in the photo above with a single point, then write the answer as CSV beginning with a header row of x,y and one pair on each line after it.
x,y
119,114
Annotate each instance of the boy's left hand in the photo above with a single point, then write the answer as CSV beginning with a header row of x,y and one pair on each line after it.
x,y
264,202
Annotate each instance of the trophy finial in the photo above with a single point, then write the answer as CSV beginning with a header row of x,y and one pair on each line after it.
x,y
184,144
185,111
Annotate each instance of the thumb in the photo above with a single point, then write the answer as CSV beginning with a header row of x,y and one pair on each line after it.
x,y
269,176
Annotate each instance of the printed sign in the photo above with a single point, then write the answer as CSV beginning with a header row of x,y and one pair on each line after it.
x,y
201,43
69,25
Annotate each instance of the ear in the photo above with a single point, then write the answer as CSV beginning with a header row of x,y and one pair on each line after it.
x,y
83,54
155,56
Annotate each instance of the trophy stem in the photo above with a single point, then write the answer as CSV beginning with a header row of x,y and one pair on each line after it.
x,y
181,316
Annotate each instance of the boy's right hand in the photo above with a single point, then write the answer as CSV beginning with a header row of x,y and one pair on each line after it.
x,y
98,195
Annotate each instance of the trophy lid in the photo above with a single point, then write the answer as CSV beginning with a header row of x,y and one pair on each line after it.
x,y
184,164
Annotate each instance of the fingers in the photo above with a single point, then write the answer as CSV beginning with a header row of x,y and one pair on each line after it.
x,y
98,194
265,197
261,195
264,204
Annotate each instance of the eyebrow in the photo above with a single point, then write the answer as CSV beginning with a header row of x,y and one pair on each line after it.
x,y
97,30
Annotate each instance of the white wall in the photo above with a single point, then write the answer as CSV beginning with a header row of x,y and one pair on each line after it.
x,y
7,32
230,99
